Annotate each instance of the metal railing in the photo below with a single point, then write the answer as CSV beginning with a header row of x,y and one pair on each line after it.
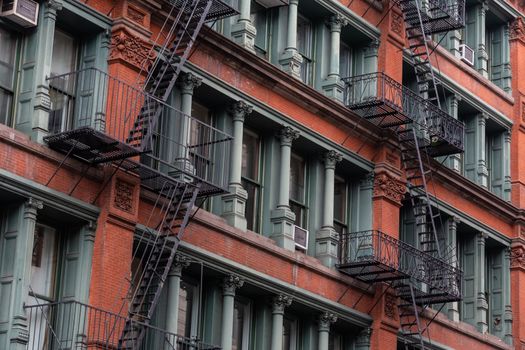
x,y
376,247
438,15
74,325
364,90
177,143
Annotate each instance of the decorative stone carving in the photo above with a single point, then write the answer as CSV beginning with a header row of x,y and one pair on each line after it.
x,y
239,110
387,186
336,22
325,320
123,196
396,23
231,283
189,82
517,257
517,30
288,135
390,306
179,263
131,49
280,302
331,158
135,15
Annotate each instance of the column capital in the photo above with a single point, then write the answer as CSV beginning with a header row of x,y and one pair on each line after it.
x,y
331,158
31,207
372,49
231,283
180,262
287,135
484,7
89,231
239,110
294,2
280,302
188,82
336,22
517,30
54,5
325,320
482,237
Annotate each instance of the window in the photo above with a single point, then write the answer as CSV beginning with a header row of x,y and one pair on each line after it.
x,y
340,205
201,137
305,48
298,189
345,61
241,324
43,264
62,88
188,309
251,148
8,43
290,334
335,341
259,17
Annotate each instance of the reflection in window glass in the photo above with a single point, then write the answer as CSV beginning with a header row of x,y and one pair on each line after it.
x,y
7,72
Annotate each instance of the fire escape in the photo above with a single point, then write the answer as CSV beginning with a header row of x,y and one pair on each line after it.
x,y
422,275
115,124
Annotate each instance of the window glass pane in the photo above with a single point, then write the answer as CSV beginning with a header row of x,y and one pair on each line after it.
x,y
252,205
287,330
64,54
297,180
238,325
300,214
259,18
250,156
6,99
339,200
7,58
345,61
43,262
185,309
304,36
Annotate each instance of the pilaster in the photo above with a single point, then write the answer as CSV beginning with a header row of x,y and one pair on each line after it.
x,y
279,303
234,202
507,314
482,172
327,239
282,218
481,300
453,308
291,60
482,55
454,160
243,32
229,285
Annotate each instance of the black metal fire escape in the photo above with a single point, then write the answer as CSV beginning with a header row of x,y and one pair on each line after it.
x,y
424,131
121,124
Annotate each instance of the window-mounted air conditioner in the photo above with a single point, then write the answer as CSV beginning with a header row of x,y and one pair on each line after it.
x,y
22,12
300,236
466,54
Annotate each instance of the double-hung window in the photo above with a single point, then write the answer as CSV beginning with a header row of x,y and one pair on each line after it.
x,y
62,85
250,170
290,334
345,61
259,18
241,324
298,189
188,309
340,205
305,48
8,45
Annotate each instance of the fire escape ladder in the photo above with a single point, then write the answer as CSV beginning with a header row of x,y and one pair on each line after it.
x,y
418,40
145,298
409,320
164,73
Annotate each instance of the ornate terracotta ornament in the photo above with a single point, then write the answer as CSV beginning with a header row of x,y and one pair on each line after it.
x,y
517,257
123,196
389,187
131,49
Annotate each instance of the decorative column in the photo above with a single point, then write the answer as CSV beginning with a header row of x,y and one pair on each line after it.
x,y
481,300
282,217
234,202
327,239
507,183
453,308
507,72
363,339
22,271
243,32
86,259
173,291
454,160
370,58
325,320
279,303
482,172
188,82
507,315
482,55
333,86
291,60
229,285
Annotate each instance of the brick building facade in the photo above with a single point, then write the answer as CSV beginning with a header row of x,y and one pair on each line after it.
x,y
265,119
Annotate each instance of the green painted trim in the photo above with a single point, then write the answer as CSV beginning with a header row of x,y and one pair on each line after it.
x,y
507,9
95,17
278,117
273,285
469,97
27,188
354,19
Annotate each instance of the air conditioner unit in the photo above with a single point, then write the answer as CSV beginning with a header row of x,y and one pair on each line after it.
x,y
300,236
466,54
22,12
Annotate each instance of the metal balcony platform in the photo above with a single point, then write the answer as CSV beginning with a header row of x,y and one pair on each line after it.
x,y
388,104
218,9
90,145
373,256
437,16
